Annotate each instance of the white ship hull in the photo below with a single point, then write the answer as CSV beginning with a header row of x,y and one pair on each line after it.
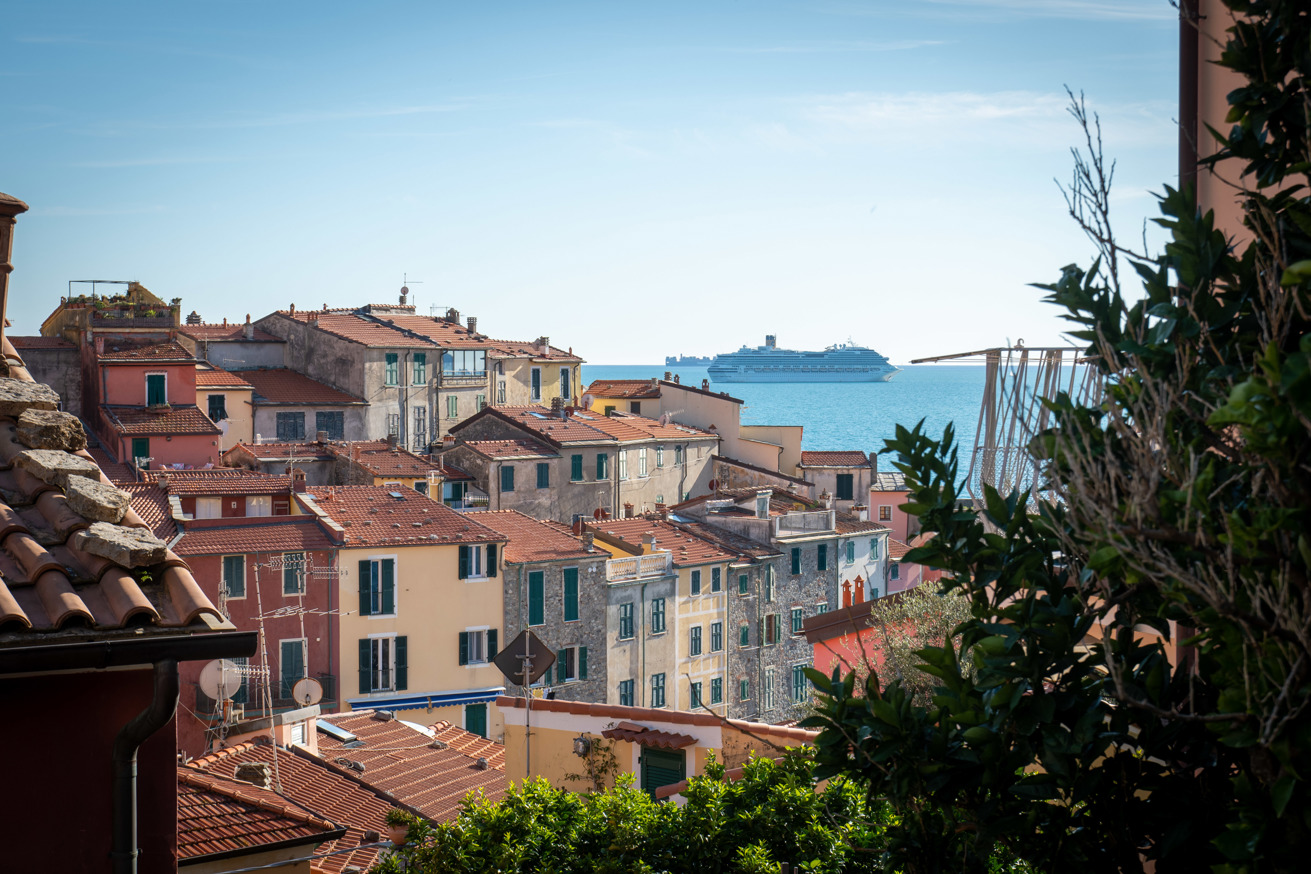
x,y
768,363
753,374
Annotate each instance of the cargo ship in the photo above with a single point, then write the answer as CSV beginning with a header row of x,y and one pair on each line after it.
x,y
843,362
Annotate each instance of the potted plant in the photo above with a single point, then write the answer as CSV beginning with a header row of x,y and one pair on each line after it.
x,y
398,825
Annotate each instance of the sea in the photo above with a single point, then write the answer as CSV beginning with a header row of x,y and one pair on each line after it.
x,y
847,415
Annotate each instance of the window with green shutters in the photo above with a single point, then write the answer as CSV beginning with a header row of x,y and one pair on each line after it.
x,y
742,584
798,617
571,664
716,636
769,582
798,682
716,579
393,370
507,477
744,690
846,487
744,635
293,573
452,406
419,368
717,690
873,549
657,690
851,552
696,582
575,468
377,587
626,621
292,665
140,448
536,598
382,666
570,594
475,718
602,465
796,559
536,383
156,389
477,562
543,475
821,556
657,615
694,694
660,456
694,640
626,693
234,575
477,647
661,768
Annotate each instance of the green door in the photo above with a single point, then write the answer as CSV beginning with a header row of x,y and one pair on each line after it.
x,y
140,448
661,768
475,719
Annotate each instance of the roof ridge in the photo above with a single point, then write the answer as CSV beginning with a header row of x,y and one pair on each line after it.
x,y
221,784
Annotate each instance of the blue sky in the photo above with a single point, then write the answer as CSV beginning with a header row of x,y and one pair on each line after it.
x,y
631,180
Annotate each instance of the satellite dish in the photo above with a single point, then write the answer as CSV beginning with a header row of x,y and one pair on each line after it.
x,y
596,514
664,419
587,401
307,691
714,485
220,679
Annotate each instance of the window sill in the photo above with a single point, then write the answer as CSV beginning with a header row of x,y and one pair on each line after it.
x,y
381,616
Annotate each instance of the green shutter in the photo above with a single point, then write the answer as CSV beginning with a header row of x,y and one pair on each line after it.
x,y
366,678
796,559
402,669
582,663
491,559
559,666
366,569
464,647
464,562
536,598
543,475
821,556
492,649
388,568
570,594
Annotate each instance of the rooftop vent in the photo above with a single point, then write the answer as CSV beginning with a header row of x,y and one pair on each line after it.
x,y
383,716
483,765
439,744
350,764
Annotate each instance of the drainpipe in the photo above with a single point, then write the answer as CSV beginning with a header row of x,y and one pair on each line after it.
x,y
641,605
124,849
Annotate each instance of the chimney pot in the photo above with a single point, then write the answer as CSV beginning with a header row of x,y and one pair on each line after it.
x,y
589,538
705,385
668,375
473,324
628,510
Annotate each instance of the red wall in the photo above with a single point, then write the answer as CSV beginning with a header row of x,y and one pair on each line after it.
x,y
126,383
58,732
194,449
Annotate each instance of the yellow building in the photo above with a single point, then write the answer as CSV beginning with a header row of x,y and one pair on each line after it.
x,y
226,398
535,373
420,604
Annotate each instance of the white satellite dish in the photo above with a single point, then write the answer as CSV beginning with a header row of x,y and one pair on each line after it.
x,y
664,419
220,679
307,691
587,401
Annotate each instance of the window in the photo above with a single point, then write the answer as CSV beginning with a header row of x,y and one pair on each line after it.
x,y
209,508
571,664
641,462
334,423
796,559
259,505
293,573
799,683
657,615
626,693
291,666
744,635
218,408
479,401
822,607
635,407
696,582
382,664
570,594
694,640
625,621
419,368
694,694
769,582
623,464
141,451
477,646
660,456
393,370
566,384
419,439
602,465
452,407
716,636
609,408
769,629
234,575
762,507
471,562
536,598
291,426
475,719
156,389
464,362
500,392
885,513
535,392
507,477
678,455
657,690
393,424
378,587
768,694
851,552
716,579
798,616
543,475
873,549
821,557
846,488
894,572
575,468
744,689
742,585
717,690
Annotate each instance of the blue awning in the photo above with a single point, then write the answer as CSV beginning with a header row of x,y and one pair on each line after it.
x,y
429,700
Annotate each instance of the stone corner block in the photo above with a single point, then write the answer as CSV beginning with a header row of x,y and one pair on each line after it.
x,y
18,396
96,501
126,547
56,466
51,429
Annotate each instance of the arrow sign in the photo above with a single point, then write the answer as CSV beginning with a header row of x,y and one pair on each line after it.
x,y
526,654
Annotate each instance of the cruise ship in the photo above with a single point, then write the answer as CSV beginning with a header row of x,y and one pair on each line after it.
x,y
844,362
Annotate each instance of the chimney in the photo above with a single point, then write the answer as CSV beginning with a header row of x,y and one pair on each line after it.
x,y
453,315
10,209
448,440
579,526
826,500
321,437
705,385
589,539
225,321
662,510
473,324
859,597
545,342
628,510
655,382
557,407
297,480
668,376
391,439
648,542
249,331
846,593
676,382
193,318
862,512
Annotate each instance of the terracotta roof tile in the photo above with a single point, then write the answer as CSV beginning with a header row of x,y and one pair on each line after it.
x,y
896,549
626,389
178,419
372,516
218,814
40,342
521,349
469,743
283,386
701,391
531,540
307,451
540,421
728,540
152,506
686,547
125,352
834,459
215,378
653,716
625,424
117,473
448,335
647,737
401,760
498,449
355,329
890,481
234,331
381,458
849,523
220,481
256,534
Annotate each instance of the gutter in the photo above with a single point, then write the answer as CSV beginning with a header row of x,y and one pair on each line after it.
x,y
126,651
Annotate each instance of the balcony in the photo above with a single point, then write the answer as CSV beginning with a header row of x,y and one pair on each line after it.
x,y
797,524
621,570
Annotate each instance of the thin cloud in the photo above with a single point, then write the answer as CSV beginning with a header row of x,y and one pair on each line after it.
x,y
1118,10
831,47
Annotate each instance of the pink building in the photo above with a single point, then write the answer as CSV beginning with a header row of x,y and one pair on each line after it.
x,y
887,493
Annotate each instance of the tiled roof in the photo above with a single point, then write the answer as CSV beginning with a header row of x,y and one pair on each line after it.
x,y
647,737
122,351
283,386
521,349
890,481
469,743
621,423
531,540
734,462
381,458
539,420
217,814
257,534
686,547
310,783
117,473
834,459
499,449
448,335
780,500
216,378
220,481
372,516
236,331
356,329
850,523
896,549
701,391
40,342
656,716
152,506
728,540
401,760
177,419
451,473
309,451
626,389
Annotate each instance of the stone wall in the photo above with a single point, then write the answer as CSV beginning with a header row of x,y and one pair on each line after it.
x,y
61,369
588,630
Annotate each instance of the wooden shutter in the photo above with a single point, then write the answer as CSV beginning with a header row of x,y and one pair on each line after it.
x,y
536,597
366,668
464,647
559,665
661,768
464,562
491,559
570,594
387,567
796,559
402,669
366,602
582,663
492,648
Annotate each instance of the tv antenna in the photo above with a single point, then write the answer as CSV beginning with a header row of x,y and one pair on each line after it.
x,y
406,282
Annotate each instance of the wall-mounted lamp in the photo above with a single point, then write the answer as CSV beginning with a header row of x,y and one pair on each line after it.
x,y
169,437
582,745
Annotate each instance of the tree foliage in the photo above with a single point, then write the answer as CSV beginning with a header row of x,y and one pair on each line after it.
x,y
1141,636
905,622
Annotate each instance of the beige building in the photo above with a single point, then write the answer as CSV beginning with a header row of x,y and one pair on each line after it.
x,y
226,398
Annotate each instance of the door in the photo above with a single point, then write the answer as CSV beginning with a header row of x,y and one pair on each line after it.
x,y
293,665
475,719
140,448
661,768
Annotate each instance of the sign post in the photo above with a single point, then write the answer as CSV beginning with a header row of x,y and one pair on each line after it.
x,y
524,661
